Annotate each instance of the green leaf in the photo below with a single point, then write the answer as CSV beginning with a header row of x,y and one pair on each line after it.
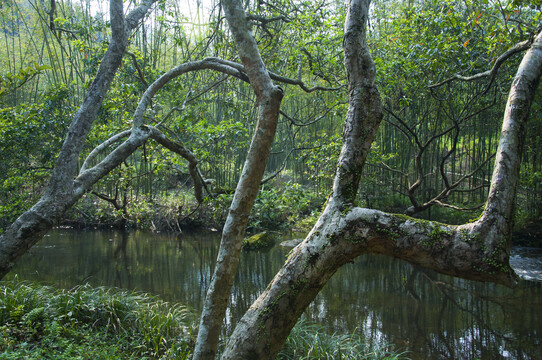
x,y
43,67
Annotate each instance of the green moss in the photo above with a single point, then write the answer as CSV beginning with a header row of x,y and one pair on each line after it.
x,y
346,210
492,259
260,241
405,217
391,233
437,233
435,238
426,224
468,237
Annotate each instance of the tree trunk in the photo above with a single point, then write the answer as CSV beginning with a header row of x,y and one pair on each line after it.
x,y
476,251
269,98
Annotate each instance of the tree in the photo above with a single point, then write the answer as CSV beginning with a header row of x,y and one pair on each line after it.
x,y
63,191
477,251
439,140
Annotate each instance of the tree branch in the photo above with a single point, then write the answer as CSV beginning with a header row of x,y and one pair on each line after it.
x,y
309,122
301,84
98,149
491,73
136,65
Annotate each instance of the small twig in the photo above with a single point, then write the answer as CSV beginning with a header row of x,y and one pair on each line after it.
x,y
192,212
264,20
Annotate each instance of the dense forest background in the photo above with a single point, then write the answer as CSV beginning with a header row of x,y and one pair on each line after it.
x,y
433,155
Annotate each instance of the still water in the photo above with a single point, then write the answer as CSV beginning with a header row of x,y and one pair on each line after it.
x,y
388,301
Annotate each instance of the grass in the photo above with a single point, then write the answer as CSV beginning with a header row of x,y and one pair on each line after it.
x,y
41,322
312,342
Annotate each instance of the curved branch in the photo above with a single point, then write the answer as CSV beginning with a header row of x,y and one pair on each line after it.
x,y
310,122
441,204
496,219
224,66
63,191
90,176
301,84
98,149
179,149
476,251
491,73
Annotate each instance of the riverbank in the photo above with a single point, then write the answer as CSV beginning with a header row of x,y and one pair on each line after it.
x,y
290,208
107,323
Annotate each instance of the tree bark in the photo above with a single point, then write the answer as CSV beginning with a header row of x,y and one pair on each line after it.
x,y
477,251
269,97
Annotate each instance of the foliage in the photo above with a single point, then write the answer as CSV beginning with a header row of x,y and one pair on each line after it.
x,y
91,323
285,207
105,323
30,137
280,207
167,212
11,82
452,128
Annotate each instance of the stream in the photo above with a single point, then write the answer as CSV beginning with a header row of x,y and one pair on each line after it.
x,y
388,301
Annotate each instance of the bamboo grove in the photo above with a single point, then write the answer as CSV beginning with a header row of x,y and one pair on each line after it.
x,y
433,153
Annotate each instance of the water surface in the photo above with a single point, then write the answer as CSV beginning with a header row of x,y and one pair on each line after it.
x,y
389,301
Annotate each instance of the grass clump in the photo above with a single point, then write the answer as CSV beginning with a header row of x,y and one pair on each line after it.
x,y
90,323
41,322
312,342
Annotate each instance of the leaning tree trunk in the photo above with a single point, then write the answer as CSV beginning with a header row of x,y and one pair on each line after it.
x,y
59,195
476,251
269,97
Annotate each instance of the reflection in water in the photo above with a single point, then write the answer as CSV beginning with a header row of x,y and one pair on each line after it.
x,y
387,300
